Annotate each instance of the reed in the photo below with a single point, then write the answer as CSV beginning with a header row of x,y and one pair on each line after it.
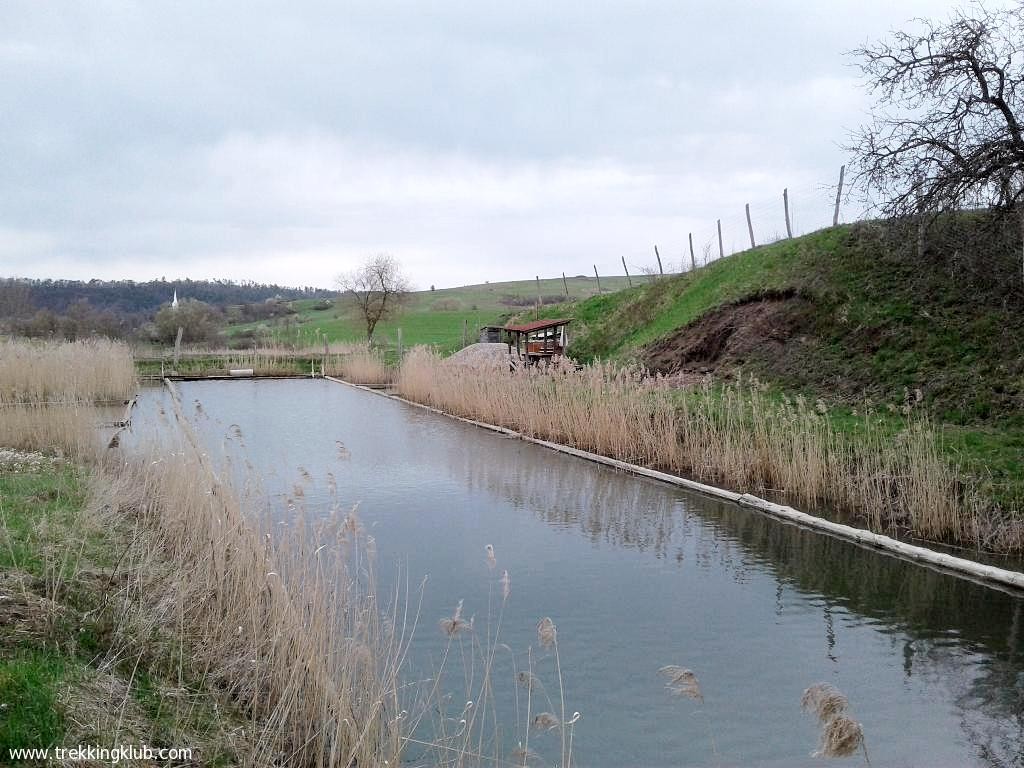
x,y
43,372
287,626
736,435
361,366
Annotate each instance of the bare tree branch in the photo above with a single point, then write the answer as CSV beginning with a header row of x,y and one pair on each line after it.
x,y
945,130
377,290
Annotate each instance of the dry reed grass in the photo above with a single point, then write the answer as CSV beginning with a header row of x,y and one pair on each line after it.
x,y
736,435
48,393
361,366
288,628
41,372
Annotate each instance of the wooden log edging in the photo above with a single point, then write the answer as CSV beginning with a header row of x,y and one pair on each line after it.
x,y
987,575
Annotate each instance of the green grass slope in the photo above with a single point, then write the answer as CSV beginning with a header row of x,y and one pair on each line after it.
x,y
438,318
857,316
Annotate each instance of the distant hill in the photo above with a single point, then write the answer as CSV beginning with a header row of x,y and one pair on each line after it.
x,y
21,297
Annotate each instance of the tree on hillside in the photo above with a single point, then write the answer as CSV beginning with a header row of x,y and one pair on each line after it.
x,y
198,320
377,290
947,126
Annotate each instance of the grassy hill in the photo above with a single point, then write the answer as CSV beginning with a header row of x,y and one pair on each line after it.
x,y
438,318
856,315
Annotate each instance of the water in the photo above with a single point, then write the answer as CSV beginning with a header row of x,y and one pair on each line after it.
x,y
637,575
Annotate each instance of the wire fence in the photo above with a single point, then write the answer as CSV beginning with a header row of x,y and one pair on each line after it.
x,y
796,210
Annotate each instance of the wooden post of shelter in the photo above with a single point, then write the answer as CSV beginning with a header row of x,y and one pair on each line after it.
x,y
721,248
626,270
839,195
693,257
750,227
657,255
598,279
785,206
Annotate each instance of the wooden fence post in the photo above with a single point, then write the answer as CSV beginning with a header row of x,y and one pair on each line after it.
x,y
398,332
598,279
626,270
785,205
657,255
693,258
750,227
721,248
177,345
465,331
565,285
839,195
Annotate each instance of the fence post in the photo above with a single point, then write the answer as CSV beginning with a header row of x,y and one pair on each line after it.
x,y
785,205
721,248
693,258
839,195
177,345
398,332
657,255
626,270
565,285
598,279
750,227
465,331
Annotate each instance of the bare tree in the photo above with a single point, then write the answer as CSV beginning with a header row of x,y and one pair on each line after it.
x,y
377,289
946,127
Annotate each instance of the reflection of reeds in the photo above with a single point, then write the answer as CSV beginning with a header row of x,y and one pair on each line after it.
x,y
738,435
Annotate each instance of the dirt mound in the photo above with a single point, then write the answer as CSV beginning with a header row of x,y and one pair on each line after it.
x,y
758,328
482,355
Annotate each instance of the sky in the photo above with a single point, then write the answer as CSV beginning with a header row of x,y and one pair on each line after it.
x,y
474,141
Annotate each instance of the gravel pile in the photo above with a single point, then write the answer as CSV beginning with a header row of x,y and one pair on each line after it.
x,y
480,356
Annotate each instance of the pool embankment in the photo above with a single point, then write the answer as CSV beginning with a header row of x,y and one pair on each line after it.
x,y
963,567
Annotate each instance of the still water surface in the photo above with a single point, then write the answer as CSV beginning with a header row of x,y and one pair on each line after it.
x,y
637,575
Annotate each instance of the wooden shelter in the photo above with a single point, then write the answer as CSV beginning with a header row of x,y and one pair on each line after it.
x,y
539,340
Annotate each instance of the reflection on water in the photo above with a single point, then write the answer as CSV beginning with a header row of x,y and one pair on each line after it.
x,y
637,575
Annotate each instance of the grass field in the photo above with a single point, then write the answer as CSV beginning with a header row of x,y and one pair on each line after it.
x,y
442,318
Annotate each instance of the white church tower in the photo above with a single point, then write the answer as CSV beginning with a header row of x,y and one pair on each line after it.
x,y
174,301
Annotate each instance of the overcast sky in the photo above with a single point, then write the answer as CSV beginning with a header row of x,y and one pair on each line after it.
x,y
475,141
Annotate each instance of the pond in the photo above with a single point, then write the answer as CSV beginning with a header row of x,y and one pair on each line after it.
x,y
636,574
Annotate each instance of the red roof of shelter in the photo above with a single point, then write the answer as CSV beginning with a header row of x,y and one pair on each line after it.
x,y
536,325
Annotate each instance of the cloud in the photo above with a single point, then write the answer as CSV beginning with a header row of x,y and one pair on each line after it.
x,y
472,140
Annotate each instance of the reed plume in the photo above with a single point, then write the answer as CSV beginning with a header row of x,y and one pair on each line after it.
x,y
454,624
682,682
546,721
547,633
841,735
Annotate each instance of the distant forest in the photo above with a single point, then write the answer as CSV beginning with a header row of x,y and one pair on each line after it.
x,y
74,309
20,297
